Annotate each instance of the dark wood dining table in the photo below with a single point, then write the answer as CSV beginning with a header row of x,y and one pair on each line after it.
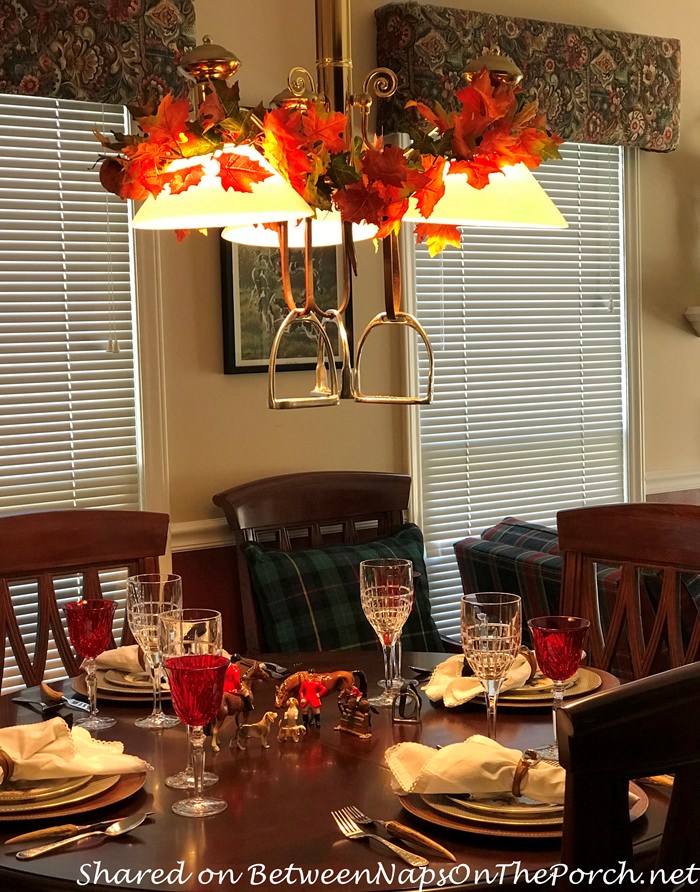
x,y
277,832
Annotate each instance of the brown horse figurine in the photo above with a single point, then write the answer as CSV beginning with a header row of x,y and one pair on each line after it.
x,y
333,681
238,705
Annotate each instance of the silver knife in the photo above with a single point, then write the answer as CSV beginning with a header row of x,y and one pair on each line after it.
x,y
63,830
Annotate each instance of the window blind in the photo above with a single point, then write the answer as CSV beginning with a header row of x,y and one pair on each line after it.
x,y
68,414
528,328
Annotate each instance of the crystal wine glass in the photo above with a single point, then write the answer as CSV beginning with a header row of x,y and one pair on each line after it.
x,y
90,631
386,593
190,642
491,632
558,643
147,596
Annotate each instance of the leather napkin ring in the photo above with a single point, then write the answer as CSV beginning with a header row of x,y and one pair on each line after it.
x,y
527,760
7,765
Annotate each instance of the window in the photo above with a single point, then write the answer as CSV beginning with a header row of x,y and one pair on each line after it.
x,y
528,328
68,429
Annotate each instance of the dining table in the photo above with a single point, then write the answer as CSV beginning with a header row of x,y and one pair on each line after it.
x,y
277,832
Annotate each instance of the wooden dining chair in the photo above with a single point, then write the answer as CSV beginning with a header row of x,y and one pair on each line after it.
x,y
645,617
299,541
644,728
45,551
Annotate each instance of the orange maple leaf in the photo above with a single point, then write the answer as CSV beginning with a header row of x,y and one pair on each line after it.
x,y
325,128
240,173
432,187
169,122
282,134
211,111
181,180
477,170
437,236
483,99
388,166
438,117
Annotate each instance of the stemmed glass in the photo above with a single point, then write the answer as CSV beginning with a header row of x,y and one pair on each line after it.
x,y
190,642
386,593
90,632
147,596
558,643
491,633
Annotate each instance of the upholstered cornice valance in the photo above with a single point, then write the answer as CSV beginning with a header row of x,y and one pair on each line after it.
x,y
122,51
593,85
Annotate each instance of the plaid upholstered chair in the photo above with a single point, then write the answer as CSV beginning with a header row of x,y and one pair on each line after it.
x,y
300,539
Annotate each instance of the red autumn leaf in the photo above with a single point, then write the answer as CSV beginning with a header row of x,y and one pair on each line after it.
x,y
476,171
437,237
211,111
240,173
325,128
433,188
387,165
181,234
393,214
168,122
484,100
282,135
360,203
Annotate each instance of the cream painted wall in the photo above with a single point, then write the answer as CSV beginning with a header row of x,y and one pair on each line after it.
x,y
220,431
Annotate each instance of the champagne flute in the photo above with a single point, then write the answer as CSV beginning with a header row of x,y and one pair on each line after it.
x,y
147,596
386,594
90,631
190,642
491,632
558,643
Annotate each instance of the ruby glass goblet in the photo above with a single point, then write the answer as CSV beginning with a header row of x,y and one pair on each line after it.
x,y
90,631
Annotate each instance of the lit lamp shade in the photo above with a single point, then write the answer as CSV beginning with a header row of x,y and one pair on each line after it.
x,y
326,229
209,206
513,197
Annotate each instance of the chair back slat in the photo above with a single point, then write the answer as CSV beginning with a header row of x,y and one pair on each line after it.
x,y
311,509
42,548
646,613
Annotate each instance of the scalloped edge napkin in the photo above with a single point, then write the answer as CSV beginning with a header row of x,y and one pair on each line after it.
x,y
47,750
447,683
479,766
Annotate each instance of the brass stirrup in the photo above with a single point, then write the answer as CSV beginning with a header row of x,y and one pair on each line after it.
x,y
346,382
393,316
329,398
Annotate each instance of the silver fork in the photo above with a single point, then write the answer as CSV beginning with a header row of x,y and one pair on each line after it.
x,y
351,830
402,831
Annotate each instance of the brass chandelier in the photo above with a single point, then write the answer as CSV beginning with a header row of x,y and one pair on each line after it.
x,y
299,174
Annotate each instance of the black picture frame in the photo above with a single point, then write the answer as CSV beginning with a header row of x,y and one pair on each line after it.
x,y
253,306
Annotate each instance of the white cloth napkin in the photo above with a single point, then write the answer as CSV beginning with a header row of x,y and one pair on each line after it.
x,y
46,750
125,658
447,684
479,766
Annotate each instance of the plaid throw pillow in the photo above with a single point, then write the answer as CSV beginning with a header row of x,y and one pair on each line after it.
x,y
310,600
523,534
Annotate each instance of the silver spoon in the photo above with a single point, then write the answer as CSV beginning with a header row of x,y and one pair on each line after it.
x,y
116,829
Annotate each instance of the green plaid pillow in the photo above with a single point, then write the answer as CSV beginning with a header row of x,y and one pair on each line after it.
x,y
310,600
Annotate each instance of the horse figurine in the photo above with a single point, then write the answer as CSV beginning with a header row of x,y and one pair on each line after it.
x,y
238,704
332,681
260,730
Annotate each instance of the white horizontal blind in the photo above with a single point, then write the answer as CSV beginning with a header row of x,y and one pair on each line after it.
x,y
68,418
529,415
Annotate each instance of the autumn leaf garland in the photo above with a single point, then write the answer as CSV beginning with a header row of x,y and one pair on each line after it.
x,y
308,145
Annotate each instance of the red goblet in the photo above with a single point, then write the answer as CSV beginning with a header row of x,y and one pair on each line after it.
x,y
558,642
90,632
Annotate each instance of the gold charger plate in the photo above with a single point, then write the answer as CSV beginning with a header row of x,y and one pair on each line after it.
x,y
509,805
119,788
132,681
108,692
462,812
585,681
93,787
33,790
447,815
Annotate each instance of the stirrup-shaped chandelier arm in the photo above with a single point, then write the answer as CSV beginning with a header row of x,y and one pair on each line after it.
x,y
393,315
330,398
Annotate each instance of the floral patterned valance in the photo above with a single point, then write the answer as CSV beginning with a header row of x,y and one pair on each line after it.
x,y
593,85
121,51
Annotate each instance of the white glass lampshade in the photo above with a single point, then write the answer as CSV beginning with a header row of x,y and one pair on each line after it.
x,y
513,197
209,206
326,229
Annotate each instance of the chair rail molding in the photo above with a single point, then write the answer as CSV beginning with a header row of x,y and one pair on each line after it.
x,y
672,481
195,535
